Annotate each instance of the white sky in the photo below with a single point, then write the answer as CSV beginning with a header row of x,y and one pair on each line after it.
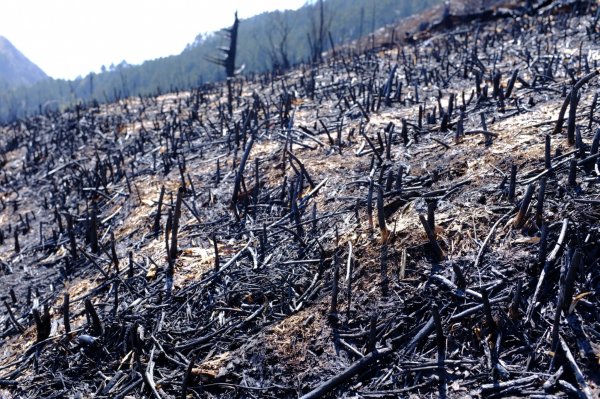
x,y
70,38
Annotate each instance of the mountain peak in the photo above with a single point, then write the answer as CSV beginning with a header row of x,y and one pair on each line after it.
x,y
15,68
4,42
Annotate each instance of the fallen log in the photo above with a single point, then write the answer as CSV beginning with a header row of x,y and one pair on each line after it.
x,y
348,373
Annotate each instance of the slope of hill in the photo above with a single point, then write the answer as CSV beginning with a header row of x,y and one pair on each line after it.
x,y
15,69
413,220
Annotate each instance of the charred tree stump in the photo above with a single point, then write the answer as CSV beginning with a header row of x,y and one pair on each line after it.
x,y
173,251
97,326
42,323
512,183
66,314
520,218
333,307
158,215
437,250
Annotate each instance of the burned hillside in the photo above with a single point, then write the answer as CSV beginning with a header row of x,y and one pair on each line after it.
x,y
420,218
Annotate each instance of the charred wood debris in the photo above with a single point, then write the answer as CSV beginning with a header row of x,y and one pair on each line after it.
x,y
421,218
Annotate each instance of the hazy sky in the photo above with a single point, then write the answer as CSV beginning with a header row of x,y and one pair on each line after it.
x,y
68,38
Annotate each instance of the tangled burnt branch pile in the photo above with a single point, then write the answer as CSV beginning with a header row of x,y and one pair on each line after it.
x,y
420,218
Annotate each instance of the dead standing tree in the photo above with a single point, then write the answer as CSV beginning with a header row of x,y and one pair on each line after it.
x,y
278,51
316,39
229,61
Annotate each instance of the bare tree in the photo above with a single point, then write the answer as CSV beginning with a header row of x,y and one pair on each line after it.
x,y
316,38
279,50
229,61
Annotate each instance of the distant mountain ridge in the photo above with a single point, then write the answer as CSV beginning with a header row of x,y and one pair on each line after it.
x,y
16,69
